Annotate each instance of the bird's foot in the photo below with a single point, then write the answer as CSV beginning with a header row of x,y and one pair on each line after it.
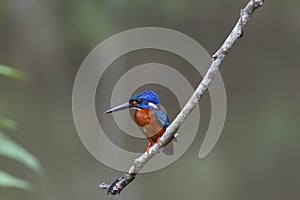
x,y
148,148
148,152
158,142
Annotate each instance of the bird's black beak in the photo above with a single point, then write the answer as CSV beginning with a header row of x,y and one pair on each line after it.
x,y
119,107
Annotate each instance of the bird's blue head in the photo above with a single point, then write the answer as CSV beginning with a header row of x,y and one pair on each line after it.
x,y
145,100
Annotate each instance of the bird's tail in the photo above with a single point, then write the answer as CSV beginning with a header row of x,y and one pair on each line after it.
x,y
168,149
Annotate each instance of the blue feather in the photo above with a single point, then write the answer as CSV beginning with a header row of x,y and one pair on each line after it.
x,y
143,98
162,118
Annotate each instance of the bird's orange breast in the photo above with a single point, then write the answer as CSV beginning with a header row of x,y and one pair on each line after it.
x,y
148,124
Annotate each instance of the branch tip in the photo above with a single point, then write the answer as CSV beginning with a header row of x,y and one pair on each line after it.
x,y
258,3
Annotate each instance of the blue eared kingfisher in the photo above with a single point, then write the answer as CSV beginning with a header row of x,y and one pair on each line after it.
x,y
149,117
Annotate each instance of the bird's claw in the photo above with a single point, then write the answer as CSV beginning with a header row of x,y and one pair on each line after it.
x,y
158,142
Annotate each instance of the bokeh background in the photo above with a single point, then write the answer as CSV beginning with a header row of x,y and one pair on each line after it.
x,y
257,156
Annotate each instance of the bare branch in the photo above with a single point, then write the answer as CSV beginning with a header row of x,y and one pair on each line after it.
x,y
217,59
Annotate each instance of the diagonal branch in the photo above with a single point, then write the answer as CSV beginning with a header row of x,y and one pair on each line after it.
x,y
217,59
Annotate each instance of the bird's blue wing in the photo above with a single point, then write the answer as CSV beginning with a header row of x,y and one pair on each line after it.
x,y
162,118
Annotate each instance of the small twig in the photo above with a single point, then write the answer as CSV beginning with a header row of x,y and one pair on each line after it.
x,y
217,59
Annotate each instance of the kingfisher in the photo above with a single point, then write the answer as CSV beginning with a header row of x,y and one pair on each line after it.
x,y
149,117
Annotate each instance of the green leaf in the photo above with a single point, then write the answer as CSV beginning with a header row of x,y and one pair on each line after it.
x,y
13,150
13,73
7,180
8,123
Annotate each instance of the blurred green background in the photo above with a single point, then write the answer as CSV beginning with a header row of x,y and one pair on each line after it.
x,y
257,156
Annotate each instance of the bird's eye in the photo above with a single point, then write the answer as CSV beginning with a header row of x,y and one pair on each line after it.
x,y
136,102
139,101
